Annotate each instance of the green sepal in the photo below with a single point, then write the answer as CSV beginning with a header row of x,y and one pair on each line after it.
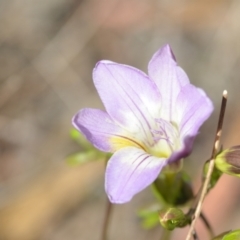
x,y
171,218
228,161
229,235
173,189
216,174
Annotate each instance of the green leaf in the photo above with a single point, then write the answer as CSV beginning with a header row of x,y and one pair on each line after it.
x,y
87,156
230,235
82,157
80,139
150,221
89,153
74,134
149,217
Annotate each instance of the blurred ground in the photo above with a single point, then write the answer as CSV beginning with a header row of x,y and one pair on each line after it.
x,y
48,49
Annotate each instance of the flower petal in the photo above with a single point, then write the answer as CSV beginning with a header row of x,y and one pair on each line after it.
x,y
193,108
101,131
169,78
184,151
129,96
129,171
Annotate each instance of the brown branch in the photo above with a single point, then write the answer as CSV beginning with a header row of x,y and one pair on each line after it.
x,y
204,187
106,220
207,224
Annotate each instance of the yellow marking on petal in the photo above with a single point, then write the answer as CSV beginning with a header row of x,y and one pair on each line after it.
x,y
160,153
161,150
121,142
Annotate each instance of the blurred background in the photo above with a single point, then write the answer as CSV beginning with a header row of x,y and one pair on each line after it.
x,y
48,49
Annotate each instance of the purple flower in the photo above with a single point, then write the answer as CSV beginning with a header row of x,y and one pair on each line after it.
x,y
150,121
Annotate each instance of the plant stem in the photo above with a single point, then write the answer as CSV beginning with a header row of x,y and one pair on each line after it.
x,y
106,220
195,236
204,187
166,234
207,224
108,211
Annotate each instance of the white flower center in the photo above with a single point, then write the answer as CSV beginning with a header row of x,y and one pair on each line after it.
x,y
165,138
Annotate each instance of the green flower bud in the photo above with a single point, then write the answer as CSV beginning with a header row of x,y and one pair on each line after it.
x,y
172,218
230,235
228,161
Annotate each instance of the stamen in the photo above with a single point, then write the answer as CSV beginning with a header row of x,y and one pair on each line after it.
x,y
156,132
156,139
165,131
